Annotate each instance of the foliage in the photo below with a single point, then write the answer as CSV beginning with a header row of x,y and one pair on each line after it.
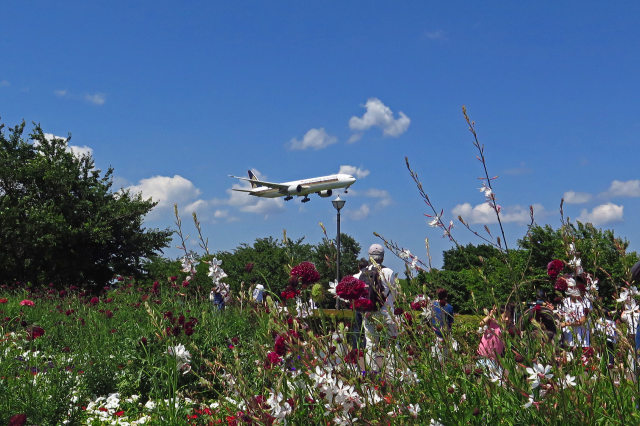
x,y
324,256
59,220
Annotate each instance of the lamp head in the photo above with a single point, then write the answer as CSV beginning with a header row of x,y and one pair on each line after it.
x,y
338,203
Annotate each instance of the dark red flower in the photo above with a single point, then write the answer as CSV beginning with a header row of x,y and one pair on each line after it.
x,y
306,272
18,420
353,355
289,293
119,413
3,300
398,311
561,284
35,332
364,305
94,301
185,283
108,314
554,268
280,346
248,267
272,358
351,288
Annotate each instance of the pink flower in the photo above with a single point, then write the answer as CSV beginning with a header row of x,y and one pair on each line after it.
x,y
4,300
27,302
351,288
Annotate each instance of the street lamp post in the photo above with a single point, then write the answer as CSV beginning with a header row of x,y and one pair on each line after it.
x,y
338,204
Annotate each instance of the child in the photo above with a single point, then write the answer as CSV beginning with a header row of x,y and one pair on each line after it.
x,y
491,345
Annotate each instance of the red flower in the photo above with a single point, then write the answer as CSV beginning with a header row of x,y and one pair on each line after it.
x,y
94,301
351,288
289,293
272,359
306,272
280,346
364,305
248,267
119,413
35,332
108,314
561,284
353,355
4,300
18,420
27,302
185,283
554,268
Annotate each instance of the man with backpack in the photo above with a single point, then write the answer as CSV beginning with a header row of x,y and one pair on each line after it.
x,y
381,283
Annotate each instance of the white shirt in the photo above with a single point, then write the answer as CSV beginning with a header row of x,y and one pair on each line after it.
x,y
574,311
258,293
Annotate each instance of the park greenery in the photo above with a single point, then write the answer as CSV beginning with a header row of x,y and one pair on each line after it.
x,y
97,327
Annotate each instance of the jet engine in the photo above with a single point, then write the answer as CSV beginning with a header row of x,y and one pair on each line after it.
x,y
294,189
325,193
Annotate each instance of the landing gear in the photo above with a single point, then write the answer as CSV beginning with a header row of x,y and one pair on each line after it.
x,y
306,199
288,197
346,190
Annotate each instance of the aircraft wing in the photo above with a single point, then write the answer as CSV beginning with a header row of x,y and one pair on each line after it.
x,y
273,185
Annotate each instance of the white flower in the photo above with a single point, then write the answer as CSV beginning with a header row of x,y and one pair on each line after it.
x,y
538,372
413,410
435,423
183,357
529,403
568,381
435,222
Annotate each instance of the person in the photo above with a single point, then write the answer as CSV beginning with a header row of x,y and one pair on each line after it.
x,y
491,345
384,314
635,278
574,311
442,318
215,296
257,292
357,336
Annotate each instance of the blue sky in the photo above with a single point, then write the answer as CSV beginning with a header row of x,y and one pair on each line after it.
x,y
175,96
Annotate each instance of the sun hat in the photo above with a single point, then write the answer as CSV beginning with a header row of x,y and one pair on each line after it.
x,y
376,250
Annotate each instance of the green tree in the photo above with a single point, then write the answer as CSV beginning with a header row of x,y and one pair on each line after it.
x,y
268,259
59,220
324,257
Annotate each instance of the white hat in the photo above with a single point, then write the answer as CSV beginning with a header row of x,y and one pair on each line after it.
x,y
376,250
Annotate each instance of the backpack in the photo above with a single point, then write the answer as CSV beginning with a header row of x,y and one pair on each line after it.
x,y
371,277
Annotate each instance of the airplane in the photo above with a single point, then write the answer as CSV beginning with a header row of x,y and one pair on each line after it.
x,y
323,186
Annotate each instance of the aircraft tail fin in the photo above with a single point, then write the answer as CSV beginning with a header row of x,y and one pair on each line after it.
x,y
252,177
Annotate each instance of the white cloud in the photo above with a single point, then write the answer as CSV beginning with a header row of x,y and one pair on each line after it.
x,y
630,188
166,190
572,197
354,171
78,151
360,213
484,214
380,115
384,199
435,35
4,83
315,139
81,151
604,213
355,137
95,98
